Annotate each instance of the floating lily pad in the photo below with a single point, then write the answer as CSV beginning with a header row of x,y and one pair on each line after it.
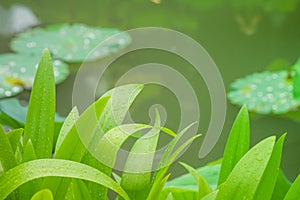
x,y
72,43
18,71
265,93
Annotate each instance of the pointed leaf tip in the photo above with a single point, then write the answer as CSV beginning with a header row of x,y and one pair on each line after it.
x,y
46,52
237,143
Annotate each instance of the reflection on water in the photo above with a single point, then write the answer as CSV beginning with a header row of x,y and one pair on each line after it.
x,y
242,37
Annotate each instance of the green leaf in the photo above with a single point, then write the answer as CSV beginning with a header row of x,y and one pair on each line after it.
x,y
210,173
44,194
268,180
15,138
211,196
66,127
245,177
155,194
116,177
13,114
279,64
237,144
35,169
17,112
179,193
296,80
8,121
109,145
71,147
39,127
169,157
7,158
72,43
70,144
29,152
77,190
113,114
12,108
137,171
120,101
281,188
294,191
18,72
203,186
170,196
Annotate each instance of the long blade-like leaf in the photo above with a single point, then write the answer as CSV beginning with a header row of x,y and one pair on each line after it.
x,y
294,191
237,144
137,171
39,127
203,186
7,158
282,187
78,190
296,80
70,145
155,194
66,127
186,181
113,114
268,180
15,138
112,141
168,158
245,177
35,169
211,196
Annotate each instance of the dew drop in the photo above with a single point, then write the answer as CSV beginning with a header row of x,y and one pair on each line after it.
x,y
15,89
7,93
86,41
269,89
31,44
122,41
274,76
69,56
274,107
91,35
259,94
23,69
56,62
12,63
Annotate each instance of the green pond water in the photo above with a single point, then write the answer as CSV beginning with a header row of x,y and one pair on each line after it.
x,y
242,38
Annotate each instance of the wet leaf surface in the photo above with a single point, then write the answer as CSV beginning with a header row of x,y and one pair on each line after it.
x,y
18,71
71,43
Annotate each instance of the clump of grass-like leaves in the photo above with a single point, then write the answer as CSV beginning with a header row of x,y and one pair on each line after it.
x,y
77,164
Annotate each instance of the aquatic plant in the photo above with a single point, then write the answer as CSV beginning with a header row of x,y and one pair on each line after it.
x,y
240,174
71,43
30,155
18,71
80,166
268,92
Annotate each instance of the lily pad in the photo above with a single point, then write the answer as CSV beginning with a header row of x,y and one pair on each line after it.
x,y
265,92
72,43
18,71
